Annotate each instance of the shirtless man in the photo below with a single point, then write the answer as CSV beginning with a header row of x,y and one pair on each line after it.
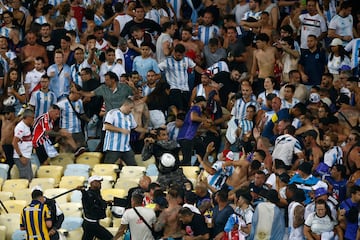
x,y
142,119
351,114
32,50
9,122
168,219
263,61
193,48
351,140
353,157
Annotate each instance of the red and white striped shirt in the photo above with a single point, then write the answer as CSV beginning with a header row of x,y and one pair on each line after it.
x,y
42,124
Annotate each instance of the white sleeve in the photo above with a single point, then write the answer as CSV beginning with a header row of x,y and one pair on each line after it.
x,y
349,46
109,117
332,24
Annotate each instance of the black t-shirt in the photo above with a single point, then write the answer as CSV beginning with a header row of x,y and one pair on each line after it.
x,y
50,49
147,25
94,106
228,86
197,226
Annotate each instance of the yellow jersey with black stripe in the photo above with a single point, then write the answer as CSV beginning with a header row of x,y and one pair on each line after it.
x,y
33,219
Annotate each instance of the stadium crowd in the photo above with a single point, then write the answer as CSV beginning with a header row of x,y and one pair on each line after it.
x,y
262,95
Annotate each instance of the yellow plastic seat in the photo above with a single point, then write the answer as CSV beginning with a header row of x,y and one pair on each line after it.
x,y
6,196
113,230
11,221
2,232
62,160
105,222
72,209
108,182
23,194
132,172
52,192
11,184
109,194
71,181
191,172
14,171
105,170
14,206
126,184
1,183
90,158
43,183
50,171
116,222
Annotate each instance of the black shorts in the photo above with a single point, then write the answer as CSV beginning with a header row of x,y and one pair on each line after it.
x,y
179,99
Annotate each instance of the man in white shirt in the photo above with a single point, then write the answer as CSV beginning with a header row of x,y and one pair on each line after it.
x,y
131,219
22,143
311,24
164,44
32,79
110,65
341,25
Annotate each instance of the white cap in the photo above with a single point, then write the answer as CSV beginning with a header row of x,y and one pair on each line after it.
x,y
314,98
320,184
37,187
336,42
94,178
167,160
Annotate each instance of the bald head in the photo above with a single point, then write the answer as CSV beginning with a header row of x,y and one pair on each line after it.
x,y
144,182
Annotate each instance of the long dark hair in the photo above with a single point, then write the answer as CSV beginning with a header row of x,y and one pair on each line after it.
x,y
159,93
342,53
7,83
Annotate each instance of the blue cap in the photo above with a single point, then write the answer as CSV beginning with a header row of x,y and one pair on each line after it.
x,y
320,191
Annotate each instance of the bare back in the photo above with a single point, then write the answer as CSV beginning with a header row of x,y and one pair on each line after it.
x,y
172,226
239,176
7,131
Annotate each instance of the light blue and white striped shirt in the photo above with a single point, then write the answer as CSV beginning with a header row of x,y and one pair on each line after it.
x,y
239,109
42,101
172,130
60,83
76,69
146,90
68,118
286,104
115,141
176,72
205,33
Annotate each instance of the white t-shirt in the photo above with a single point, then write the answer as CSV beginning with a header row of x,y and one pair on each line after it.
x,y
33,78
314,25
343,26
285,147
138,229
23,132
320,225
115,68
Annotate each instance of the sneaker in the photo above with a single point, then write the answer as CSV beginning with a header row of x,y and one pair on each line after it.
x,y
79,151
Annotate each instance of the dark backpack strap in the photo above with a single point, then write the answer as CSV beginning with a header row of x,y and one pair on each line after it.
x,y
346,120
142,218
73,108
